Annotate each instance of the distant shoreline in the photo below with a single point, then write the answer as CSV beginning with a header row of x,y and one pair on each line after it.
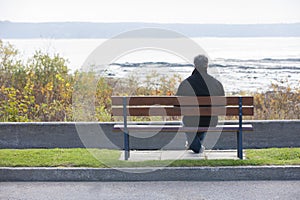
x,y
88,30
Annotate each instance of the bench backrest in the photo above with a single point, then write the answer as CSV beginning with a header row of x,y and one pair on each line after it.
x,y
182,106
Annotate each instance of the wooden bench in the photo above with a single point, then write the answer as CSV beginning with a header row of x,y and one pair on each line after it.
x,y
182,106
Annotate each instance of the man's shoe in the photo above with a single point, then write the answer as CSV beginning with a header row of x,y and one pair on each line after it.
x,y
186,145
201,150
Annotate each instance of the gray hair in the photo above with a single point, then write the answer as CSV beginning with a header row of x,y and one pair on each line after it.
x,y
201,62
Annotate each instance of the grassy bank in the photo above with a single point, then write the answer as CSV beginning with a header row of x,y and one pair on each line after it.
x,y
110,158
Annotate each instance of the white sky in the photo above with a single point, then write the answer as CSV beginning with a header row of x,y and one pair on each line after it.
x,y
158,11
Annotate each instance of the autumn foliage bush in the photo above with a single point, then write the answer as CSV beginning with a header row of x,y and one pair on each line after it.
x,y
43,89
280,102
38,90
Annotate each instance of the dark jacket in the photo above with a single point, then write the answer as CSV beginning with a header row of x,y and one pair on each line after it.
x,y
200,84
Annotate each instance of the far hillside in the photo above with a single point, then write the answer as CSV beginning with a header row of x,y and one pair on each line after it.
x,y
106,30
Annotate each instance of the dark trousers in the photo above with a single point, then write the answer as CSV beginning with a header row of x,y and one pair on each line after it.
x,y
195,140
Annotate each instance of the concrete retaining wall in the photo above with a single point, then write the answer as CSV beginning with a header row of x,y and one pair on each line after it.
x,y
266,134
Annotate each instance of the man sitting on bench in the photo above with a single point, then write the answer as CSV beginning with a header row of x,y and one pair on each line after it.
x,y
200,83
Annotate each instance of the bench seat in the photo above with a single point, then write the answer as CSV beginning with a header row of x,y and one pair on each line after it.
x,y
180,128
167,106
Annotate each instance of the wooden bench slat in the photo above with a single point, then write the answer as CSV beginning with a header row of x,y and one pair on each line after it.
x,y
180,128
182,111
179,100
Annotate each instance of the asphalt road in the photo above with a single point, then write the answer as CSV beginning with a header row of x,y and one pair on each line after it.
x,y
150,190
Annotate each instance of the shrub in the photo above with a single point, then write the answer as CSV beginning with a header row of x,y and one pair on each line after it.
x,y
278,103
42,89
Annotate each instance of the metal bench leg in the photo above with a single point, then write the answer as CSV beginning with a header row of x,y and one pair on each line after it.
x,y
240,144
126,145
126,134
240,131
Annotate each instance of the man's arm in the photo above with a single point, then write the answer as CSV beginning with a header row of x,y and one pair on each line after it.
x,y
222,91
184,89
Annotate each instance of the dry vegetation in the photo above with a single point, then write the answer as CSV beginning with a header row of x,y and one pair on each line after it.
x,y
42,89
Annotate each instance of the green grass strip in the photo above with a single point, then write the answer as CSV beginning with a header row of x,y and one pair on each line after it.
x,y
102,158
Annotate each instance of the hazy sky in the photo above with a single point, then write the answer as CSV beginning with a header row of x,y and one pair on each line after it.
x,y
159,11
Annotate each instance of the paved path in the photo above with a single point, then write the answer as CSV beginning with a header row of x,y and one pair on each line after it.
x,y
180,155
249,190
